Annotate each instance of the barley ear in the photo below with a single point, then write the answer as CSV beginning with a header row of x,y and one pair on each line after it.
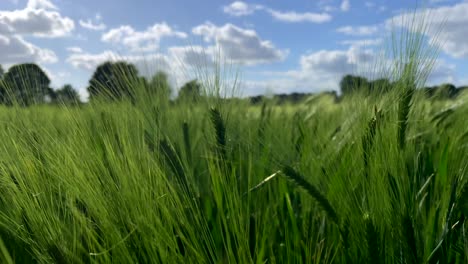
x,y
220,129
294,176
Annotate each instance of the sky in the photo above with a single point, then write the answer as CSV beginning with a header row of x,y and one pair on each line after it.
x,y
270,46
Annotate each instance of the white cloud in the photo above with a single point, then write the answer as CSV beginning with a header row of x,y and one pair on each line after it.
x,y
89,61
358,31
57,78
437,1
330,62
322,70
40,18
88,24
326,5
318,71
40,4
363,42
345,5
239,8
193,56
141,41
74,49
443,72
95,24
447,26
146,64
240,45
14,49
292,16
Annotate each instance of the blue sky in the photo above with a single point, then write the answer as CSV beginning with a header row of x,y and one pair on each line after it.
x,y
279,46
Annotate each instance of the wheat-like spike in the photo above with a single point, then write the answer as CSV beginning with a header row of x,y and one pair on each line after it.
x,y
368,138
294,176
187,144
403,115
172,158
220,129
409,86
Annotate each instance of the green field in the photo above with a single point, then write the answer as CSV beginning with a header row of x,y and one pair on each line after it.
x,y
173,183
374,177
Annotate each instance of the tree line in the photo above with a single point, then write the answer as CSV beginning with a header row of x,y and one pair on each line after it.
x,y
121,80
350,84
27,84
354,84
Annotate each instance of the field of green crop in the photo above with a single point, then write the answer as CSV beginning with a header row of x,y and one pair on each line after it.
x,y
379,178
226,182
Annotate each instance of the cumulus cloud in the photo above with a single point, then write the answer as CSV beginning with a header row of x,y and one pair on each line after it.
x,y
40,18
363,42
193,56
14,49
141,41
437,1
89,61
95,24
322,70
345,5
240,45
239,8
446,26
147,64
88,24
292,16
74,49
336,62
358,31
317,71
443,72
40,4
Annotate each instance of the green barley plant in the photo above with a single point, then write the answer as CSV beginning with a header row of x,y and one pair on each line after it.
x,y
144,180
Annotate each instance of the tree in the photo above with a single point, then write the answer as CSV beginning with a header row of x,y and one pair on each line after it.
x,y
2,72
350,83
190,91
445,91
113,80
26,84
159,86
381,85
67,95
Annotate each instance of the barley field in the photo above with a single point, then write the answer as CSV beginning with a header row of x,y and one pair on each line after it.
x,y
378,178
226,182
